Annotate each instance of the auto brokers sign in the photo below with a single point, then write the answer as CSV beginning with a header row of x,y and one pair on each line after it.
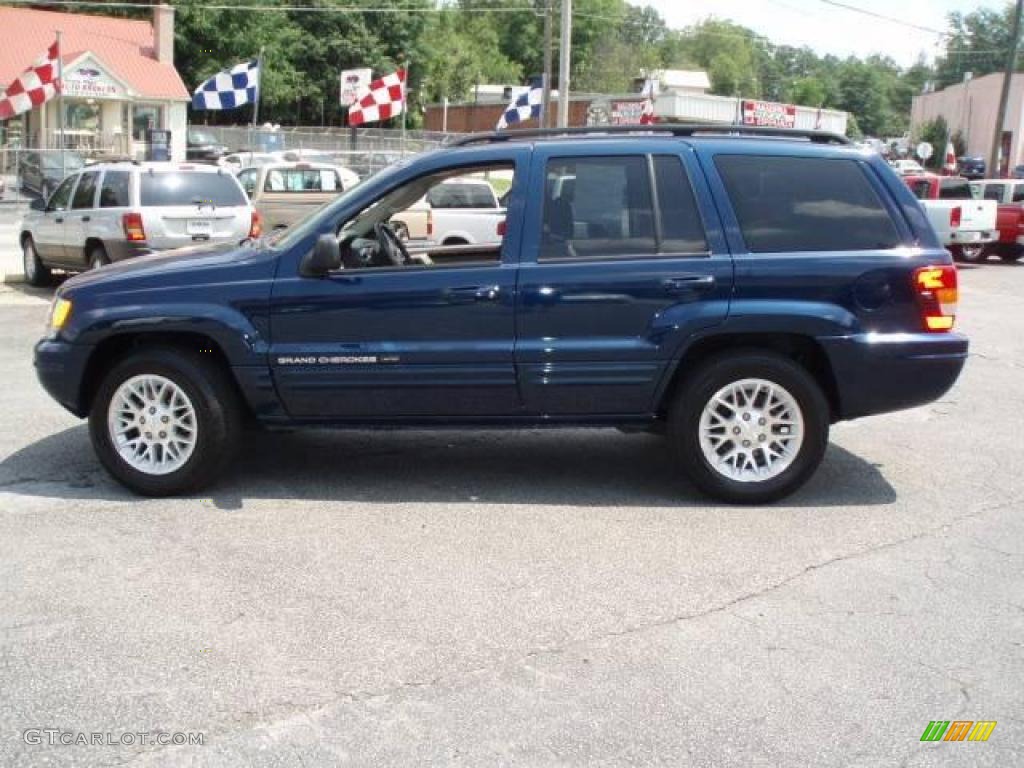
x,y
86,80
768,113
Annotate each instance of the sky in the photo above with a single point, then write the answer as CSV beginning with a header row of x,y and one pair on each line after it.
x,y
826,28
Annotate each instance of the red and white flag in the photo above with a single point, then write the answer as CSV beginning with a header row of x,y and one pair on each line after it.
x,y
384,98
950,160
37,84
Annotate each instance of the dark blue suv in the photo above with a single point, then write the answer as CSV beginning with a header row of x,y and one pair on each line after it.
x,y
739,290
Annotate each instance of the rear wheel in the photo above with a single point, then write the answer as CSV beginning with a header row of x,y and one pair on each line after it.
x,y
36,273
972,254
165,421
98,257
749,427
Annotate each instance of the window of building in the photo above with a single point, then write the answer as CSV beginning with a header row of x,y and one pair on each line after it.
x,y
85,192
145,117
800,204
115,192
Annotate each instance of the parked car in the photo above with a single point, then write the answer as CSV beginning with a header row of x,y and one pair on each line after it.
x,y
963,223
41,171
203,147
458,211
739,293
112,211
1008,194
236,161
284,193
971,167
905,167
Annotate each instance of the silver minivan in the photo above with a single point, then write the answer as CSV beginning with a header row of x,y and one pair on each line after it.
x,y
112,211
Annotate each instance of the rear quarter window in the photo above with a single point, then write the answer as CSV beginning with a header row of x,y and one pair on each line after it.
x,y
804,204
162,189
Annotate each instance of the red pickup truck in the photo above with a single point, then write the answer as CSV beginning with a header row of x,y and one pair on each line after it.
x,y
965,224
1009,196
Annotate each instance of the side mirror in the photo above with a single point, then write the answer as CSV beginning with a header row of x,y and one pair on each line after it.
x,y
37,204
325,257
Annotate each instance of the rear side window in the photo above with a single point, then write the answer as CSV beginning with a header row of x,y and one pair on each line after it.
x,y
597,207
801,204
182,188
85,192
114,192
302,180
681,228
957,189
994,192
461,196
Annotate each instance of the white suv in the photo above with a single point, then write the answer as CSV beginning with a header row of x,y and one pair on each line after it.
x,y
112,211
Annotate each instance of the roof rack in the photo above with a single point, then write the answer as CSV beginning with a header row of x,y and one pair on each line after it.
x,y
669,129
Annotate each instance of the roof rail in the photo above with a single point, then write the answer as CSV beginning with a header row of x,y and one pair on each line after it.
x,y
670,129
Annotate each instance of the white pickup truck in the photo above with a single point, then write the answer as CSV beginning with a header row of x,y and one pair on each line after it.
x,y
964,223
459,211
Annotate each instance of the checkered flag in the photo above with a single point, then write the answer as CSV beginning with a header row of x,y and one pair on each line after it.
x,y
36,85
525,106
383,99
230,88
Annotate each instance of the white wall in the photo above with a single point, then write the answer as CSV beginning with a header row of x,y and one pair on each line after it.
x,y
177,122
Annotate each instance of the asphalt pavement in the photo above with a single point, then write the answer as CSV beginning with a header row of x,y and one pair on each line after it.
x,y
527,598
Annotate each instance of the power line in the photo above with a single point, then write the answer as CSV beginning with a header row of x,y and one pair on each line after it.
x,y
893,19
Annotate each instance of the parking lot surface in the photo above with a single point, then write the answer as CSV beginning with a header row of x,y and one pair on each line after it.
x,y
529,598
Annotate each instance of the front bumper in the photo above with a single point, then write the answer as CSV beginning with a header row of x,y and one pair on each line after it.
x,y
877,373
60,367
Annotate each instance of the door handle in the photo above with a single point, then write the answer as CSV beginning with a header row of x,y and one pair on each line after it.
x,y
687,282
469,294
58,220
86,218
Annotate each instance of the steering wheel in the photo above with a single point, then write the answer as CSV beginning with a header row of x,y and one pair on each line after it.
x,y
391,245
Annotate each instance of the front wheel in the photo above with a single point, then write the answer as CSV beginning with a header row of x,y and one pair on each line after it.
x,y
165,421
749,427
36,273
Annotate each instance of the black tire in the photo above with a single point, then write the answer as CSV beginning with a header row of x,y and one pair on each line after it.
x,y
971,254
218,420
98,257
696,392
36,273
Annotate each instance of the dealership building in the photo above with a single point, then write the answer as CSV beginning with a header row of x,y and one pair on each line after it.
x,y
119,81
682,97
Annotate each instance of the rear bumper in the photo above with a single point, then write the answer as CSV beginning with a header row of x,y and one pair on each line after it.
x,y
877,373
60,367
971,237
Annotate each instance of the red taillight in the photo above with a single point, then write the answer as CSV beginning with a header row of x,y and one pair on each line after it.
x,y
256,227
430,224
937,295
502,228
133,229
955,216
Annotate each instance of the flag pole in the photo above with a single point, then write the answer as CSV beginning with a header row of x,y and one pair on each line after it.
x,y
60,103
259,95
405,101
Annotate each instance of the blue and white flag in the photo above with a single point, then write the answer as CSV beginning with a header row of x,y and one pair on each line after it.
x,y
230,88
523,107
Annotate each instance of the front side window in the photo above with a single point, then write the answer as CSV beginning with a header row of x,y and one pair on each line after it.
x,y
115,190
302,180
59,200
597,207
182,188
85,193
804,204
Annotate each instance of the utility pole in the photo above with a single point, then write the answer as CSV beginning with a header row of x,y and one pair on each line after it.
x,y
1004,96
545,108
564,58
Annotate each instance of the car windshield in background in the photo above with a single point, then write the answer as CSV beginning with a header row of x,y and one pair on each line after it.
x,y
165,189
199,137
461,196
955,189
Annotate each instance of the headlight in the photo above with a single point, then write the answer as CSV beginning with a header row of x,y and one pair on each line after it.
x,y
60,311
